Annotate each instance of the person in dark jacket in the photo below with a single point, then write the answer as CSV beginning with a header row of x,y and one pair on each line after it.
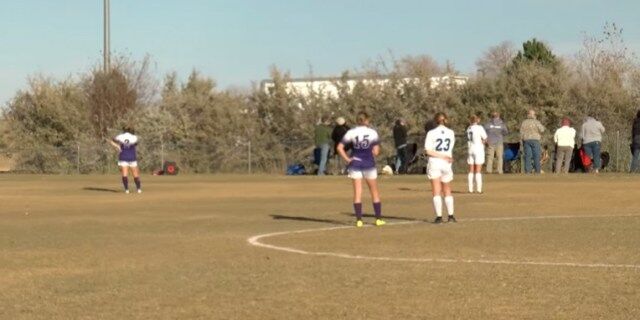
x,y
635,144
400,139
337,134
429,125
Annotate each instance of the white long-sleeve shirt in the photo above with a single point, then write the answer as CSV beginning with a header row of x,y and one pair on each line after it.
x,y
565,136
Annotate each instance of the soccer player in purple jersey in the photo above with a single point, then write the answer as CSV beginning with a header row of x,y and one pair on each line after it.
x,y
126,143
361,164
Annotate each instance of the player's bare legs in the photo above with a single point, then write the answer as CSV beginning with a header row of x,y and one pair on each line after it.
x,y
375,197
436,187
373,189
136,178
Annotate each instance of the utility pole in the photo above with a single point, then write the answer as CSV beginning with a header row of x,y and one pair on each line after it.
x,y
107,36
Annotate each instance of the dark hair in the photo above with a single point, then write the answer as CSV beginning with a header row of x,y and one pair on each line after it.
x,y
362,117
129,129
638,114
474,118
440,118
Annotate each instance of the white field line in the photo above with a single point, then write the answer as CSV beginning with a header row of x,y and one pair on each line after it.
x,y
255,241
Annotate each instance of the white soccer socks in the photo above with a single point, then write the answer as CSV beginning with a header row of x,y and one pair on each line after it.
x,y
437,205
478,180
448,201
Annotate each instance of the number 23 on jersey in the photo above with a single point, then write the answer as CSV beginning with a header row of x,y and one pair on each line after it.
x,y
443,145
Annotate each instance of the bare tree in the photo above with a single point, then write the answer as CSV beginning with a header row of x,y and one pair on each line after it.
x,y
495,59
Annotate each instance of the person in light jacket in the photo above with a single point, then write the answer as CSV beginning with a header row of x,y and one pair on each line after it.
x,y
591,135
530,133
565,139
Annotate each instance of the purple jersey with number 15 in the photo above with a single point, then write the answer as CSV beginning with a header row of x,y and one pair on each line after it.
x,y
362,140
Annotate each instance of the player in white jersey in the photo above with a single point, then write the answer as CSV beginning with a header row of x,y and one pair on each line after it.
x,y
365,145
476,138
439,147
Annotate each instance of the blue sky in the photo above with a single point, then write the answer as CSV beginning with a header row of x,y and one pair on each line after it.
x,y
236,42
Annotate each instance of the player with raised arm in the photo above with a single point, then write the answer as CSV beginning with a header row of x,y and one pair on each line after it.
x,y
361,164
439,147
126,143
476,138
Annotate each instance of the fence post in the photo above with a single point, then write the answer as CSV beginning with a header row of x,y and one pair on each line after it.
x,y
162,154
249,162
78,159
618,151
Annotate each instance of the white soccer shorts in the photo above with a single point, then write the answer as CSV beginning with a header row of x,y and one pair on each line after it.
x,y
131,164
440,170
368,174
476,157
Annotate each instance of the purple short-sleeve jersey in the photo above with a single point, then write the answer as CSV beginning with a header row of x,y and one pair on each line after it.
x,y
362,140
127,142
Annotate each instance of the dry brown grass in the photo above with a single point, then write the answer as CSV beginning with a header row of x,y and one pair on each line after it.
x,y
72,249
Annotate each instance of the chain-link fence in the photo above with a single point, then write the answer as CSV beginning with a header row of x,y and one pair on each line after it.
x,y
244,157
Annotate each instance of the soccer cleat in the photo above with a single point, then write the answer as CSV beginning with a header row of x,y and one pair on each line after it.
x,y
126,191
452,219
438,220
359,223
380,222
139,190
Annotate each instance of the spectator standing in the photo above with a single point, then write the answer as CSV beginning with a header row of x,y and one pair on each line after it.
x,y
400,139
530,133
323,141
429,125
337,134
565,139
496,130
635,144
591,134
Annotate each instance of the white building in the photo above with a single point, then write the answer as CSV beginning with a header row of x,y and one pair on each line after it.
x,y
329,86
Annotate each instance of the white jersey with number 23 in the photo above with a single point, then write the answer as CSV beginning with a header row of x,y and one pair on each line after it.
x,y
441,140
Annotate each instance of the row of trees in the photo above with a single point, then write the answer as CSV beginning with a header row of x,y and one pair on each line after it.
x,y
61,126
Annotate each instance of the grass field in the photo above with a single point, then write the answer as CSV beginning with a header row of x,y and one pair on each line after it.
x,y
75,247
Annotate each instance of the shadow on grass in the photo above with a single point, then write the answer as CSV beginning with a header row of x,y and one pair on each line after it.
x,y
427,190
384,216
100,189
308,219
